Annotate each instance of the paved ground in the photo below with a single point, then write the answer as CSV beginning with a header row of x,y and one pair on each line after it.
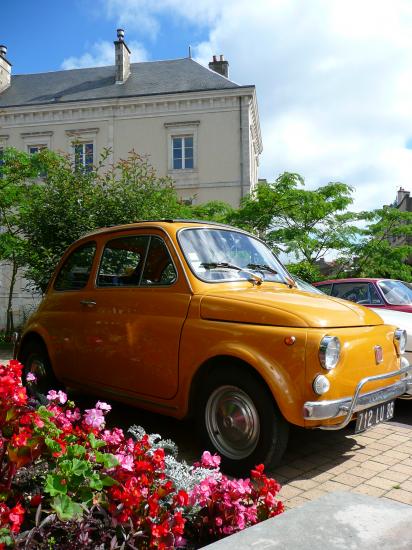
x,y
377,462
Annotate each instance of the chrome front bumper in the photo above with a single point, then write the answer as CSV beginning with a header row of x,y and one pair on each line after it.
x,y
325,410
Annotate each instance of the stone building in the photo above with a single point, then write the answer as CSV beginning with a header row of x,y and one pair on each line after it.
x,y
196,125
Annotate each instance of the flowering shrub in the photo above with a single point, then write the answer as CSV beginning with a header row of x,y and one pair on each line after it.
x,y
68,482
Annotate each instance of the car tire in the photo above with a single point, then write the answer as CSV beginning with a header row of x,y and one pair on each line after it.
x,y
238,418
35,360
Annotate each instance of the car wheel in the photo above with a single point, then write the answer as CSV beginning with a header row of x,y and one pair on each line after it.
x,y
36,361
238,418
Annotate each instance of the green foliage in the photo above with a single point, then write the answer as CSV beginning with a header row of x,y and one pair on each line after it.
x,y
66,203
308,224
216,211
306,271
383,249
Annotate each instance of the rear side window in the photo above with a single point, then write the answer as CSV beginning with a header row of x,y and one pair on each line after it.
x,y
159,268
75,272
136,261
361,293
122,262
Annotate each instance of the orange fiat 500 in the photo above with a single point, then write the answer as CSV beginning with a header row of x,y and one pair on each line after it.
x,y
184,317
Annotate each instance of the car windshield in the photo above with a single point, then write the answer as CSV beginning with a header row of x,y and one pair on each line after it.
x,y
396,293
220,255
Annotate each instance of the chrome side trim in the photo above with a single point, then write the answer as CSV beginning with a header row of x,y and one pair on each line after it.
x,y
325,410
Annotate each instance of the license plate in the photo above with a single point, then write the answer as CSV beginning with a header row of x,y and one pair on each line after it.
x,y
375,415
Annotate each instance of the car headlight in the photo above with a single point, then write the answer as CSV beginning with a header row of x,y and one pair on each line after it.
x,y
329,352
399,339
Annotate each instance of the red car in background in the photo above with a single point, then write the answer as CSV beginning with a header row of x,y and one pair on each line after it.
x,y
376,293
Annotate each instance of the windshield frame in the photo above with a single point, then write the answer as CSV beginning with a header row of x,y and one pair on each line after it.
x,y
283,273
403,284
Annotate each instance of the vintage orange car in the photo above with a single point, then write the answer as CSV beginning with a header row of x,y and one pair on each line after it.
x,y
187,317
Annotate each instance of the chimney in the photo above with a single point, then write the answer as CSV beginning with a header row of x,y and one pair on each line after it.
x,y
5,70
402,194
220,66
122,58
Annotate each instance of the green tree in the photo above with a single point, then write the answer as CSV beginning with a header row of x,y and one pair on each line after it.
x,y
382,249
68,203
305,223
16,169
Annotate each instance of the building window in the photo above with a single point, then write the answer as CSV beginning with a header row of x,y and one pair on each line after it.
x,y
182,145
33,149
83,156
182,152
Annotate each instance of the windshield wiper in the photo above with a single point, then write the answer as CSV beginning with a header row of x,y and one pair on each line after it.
x,y
263,267
255,279
217,265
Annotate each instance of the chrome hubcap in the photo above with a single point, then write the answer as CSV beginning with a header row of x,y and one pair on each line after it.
x,y
232,422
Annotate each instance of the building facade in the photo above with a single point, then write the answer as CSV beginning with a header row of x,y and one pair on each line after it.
x,y
193,122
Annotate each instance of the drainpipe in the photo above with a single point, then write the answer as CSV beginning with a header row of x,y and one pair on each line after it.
x,y
241,145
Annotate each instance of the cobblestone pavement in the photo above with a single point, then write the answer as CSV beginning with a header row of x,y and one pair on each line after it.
x,y
377,462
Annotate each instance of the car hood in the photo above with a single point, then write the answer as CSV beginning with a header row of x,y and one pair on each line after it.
x,y
279,305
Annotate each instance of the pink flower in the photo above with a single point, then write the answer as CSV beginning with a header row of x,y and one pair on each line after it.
x,y
94,418
113,437
125,461
59,396
210,461
103,406
31,377
73,415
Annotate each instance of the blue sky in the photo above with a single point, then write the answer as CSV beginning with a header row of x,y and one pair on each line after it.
x,y
41,35
333,77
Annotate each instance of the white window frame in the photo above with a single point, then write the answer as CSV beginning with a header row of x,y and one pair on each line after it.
x,y
184,147
182,130
82,136
83,144
38,146
42,140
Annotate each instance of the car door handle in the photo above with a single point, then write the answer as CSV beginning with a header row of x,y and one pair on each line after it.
x,y
89,303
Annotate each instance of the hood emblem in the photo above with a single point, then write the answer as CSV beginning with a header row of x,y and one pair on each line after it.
x,y
378,355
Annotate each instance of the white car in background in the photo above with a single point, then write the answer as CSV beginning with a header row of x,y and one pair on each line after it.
x,y
402,320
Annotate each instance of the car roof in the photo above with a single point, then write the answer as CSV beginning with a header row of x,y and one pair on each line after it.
x,y
160,223
350,280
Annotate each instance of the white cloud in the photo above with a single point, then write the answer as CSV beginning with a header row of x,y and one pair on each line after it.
x,y
333,79
102,54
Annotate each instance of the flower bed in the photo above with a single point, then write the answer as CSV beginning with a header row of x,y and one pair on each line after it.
x,y
67,482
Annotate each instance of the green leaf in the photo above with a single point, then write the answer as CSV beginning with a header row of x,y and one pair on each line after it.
x,y
95,482
108,481
108,460
54,485
96,443
53,445
80,467
65,508
76,451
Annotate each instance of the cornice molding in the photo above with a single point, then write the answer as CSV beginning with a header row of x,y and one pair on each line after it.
x,y
36,134
81,131
191,102
182,123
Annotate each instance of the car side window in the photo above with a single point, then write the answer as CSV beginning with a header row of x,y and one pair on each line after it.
x,y
159,268
374,297
75,271
122,261
325,288
355,292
